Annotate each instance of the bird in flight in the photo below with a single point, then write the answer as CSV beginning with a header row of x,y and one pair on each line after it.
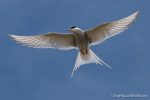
x,y
79,39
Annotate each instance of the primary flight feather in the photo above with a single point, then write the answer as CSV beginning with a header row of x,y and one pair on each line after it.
x,y
80,39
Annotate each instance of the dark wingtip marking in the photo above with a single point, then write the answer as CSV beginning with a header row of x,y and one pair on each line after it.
x,y
73,27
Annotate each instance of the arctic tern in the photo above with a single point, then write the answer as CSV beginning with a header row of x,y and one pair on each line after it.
x,y
79,39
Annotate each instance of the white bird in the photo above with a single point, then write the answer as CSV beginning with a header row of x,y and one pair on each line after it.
x,y
80,39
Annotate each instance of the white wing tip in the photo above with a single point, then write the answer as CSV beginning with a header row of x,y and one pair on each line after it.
x,y
136,13
13,36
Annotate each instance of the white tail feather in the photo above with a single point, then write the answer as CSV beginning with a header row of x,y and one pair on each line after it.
x,y
86,59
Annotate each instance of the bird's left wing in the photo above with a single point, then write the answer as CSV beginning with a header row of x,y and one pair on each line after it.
x,y
100,33
49,40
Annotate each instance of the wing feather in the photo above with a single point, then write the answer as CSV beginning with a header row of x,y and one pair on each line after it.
x,y
49,40
100,33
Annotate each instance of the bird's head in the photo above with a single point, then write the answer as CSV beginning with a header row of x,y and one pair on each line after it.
x,y
75,29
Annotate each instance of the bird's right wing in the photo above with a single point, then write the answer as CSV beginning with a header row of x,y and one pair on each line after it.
x,y
100,33
49,40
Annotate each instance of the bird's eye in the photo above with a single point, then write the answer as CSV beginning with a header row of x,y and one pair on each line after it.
x,y
73,27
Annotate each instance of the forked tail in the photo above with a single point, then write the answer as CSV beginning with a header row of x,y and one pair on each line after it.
x,y
90,57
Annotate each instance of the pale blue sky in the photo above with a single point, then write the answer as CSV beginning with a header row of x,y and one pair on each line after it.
x,y
44,74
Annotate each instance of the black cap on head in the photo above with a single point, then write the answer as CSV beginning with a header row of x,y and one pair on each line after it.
x,y
73,27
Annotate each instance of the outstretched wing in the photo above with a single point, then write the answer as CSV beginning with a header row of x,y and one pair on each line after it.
x,y
100,33
49,40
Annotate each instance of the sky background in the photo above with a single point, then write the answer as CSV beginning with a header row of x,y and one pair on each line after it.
x,y
44,74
